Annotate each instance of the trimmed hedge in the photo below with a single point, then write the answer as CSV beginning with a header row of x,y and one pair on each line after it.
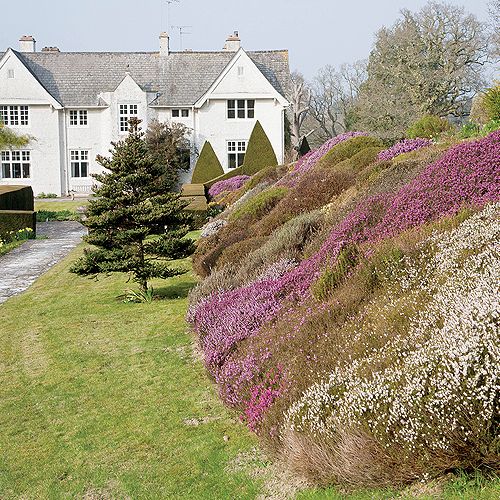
x,y
208,165
14,220
16,198
260,153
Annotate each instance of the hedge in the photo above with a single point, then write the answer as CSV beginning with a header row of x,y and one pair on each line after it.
x,y
14,220
260,152
16,198
208,165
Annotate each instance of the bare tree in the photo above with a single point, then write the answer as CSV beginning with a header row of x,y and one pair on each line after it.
x,y
301,102
333,93
427,62
494,11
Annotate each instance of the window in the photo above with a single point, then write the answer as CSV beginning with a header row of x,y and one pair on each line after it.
x,y
184,113
241,108
16,164
10,73
14,116
79,163
236,153
241,70
78,117
127,111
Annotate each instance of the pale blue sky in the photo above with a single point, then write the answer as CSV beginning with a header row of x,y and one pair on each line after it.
x,y
316,32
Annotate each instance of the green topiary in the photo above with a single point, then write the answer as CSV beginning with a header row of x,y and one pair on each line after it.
x,y
260,153
429,127
208,166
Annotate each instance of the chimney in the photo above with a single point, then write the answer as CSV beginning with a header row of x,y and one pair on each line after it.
x,y
164,44
27,44
233,42
51,49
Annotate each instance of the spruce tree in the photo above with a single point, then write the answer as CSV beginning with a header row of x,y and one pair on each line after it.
x,y
134,222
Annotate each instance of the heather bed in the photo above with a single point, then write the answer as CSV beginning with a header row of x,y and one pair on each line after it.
x,y
269,337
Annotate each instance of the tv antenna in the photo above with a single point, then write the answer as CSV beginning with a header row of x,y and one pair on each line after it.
x,y
182,32
170,2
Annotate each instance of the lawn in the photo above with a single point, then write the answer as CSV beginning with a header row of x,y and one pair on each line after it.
x,y
102,399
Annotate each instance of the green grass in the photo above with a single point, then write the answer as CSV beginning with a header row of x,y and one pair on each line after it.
x,y
56,206
94,394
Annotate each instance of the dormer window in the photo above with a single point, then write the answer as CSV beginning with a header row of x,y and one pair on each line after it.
x,y
240,108
180,113
78,118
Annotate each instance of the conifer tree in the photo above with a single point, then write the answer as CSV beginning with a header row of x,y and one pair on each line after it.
x,y
134,222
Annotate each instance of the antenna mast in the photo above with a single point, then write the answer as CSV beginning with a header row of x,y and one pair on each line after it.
x,y
169,2
182,32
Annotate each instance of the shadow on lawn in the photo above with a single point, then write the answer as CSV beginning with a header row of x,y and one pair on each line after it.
x,y
177,291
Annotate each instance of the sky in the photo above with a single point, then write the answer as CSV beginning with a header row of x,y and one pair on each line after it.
x,y
316,32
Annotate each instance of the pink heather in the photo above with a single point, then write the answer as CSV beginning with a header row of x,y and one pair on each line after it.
x,y
228,185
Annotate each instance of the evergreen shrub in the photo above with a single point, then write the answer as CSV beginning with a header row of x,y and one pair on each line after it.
x,y
429,127
208,166
260,152
259,205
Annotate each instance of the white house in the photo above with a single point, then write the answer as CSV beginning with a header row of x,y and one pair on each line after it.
x,y
75,104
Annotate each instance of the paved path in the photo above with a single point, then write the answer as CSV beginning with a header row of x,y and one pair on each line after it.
x,y
23,265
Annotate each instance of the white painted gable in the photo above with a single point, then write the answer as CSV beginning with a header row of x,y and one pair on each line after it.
x,y
241,77
128,88
18,85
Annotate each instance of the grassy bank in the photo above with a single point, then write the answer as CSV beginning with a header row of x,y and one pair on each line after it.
x,y
104,399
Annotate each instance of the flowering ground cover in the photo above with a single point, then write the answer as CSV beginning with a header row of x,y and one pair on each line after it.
x,y
268,341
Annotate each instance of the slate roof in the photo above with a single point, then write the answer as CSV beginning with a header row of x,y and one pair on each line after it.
x,y
181,78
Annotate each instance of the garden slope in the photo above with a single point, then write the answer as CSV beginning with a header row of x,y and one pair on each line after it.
x,y
317,286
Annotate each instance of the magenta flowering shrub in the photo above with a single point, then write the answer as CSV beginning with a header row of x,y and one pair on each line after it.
x,y
262,397
404,146
227,185
468,173
309,160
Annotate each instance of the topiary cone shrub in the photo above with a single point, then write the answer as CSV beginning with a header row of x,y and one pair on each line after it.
x,y
260,153
208,166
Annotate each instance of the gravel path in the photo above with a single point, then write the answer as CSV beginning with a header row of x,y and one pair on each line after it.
x,y
23,265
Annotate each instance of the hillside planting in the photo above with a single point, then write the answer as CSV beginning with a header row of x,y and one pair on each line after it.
x,y
349,309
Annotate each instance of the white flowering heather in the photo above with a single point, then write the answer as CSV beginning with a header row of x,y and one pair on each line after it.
x,y
437,387
212,227
277,269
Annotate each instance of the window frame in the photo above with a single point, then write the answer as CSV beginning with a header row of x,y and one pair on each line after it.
x,y
78,158
180,113
236,150
78,118
15,115
123,118
240,109
15,158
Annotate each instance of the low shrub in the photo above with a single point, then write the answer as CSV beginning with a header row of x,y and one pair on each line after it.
x,y
236,252
429,127
258,205
228,185
208,166
57,215
404,146
43,195
347,149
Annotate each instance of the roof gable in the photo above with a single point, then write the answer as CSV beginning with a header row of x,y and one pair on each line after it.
x,y
24,86
241,76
